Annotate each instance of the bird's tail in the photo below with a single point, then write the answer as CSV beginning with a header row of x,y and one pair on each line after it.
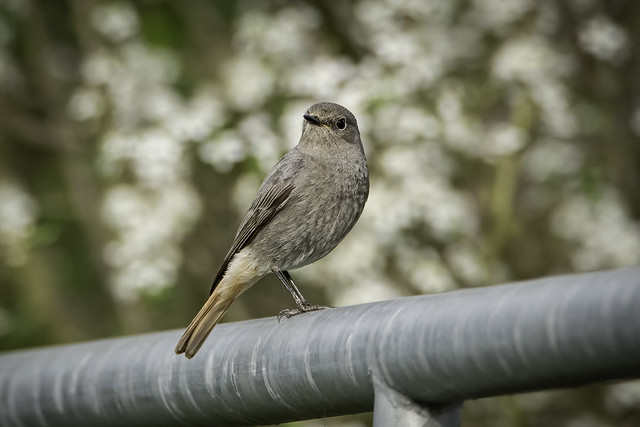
x,y
208,317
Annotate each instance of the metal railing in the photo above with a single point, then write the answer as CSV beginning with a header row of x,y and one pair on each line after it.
x,y
410,360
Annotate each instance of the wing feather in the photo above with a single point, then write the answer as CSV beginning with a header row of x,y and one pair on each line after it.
x,y
263,209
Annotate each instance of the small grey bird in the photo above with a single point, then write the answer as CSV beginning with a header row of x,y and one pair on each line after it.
x,y
305,206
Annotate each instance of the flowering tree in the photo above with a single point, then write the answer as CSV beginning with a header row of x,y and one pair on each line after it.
x,y
502,138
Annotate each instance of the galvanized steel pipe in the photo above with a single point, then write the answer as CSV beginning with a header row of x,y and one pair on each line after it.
x,y
552,332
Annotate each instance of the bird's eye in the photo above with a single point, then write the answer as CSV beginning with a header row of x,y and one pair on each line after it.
x,y
341,123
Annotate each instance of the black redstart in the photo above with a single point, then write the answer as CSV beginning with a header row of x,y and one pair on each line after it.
x,y
305,206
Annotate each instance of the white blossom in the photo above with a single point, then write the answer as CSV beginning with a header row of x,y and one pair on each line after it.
x,y
117,21
551,158
18,214
497,14
502,139
248,82
224,151
604,39
149,226
604,234
624,397
86,104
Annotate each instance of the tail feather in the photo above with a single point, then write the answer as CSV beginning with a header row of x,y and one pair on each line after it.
x,y
202,325
242,272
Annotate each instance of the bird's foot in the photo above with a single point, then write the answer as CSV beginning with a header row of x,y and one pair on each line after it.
x,y
289,312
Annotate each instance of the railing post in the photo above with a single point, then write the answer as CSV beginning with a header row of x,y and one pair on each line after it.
x,y
391,408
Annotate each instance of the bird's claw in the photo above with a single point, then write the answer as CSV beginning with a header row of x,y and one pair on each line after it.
x,y
289,312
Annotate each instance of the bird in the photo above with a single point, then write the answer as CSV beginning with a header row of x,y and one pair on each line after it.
x,y
305,206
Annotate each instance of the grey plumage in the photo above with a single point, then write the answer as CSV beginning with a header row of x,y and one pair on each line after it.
x,y
305,206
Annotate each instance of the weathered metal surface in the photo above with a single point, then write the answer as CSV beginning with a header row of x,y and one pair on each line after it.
x,y
553,332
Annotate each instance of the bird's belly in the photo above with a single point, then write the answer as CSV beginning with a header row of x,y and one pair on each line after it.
x,y
308,235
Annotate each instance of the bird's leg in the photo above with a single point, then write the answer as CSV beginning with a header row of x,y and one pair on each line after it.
x,y
288,283
301,302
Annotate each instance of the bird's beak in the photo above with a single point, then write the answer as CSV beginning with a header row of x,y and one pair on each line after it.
x,y
314,120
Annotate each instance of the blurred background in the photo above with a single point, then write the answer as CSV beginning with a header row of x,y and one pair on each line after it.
x,y
503,139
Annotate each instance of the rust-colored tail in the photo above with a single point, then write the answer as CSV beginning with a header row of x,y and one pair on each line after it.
x,y
208,317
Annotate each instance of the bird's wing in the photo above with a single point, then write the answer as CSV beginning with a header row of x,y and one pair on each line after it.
x,y
263,209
